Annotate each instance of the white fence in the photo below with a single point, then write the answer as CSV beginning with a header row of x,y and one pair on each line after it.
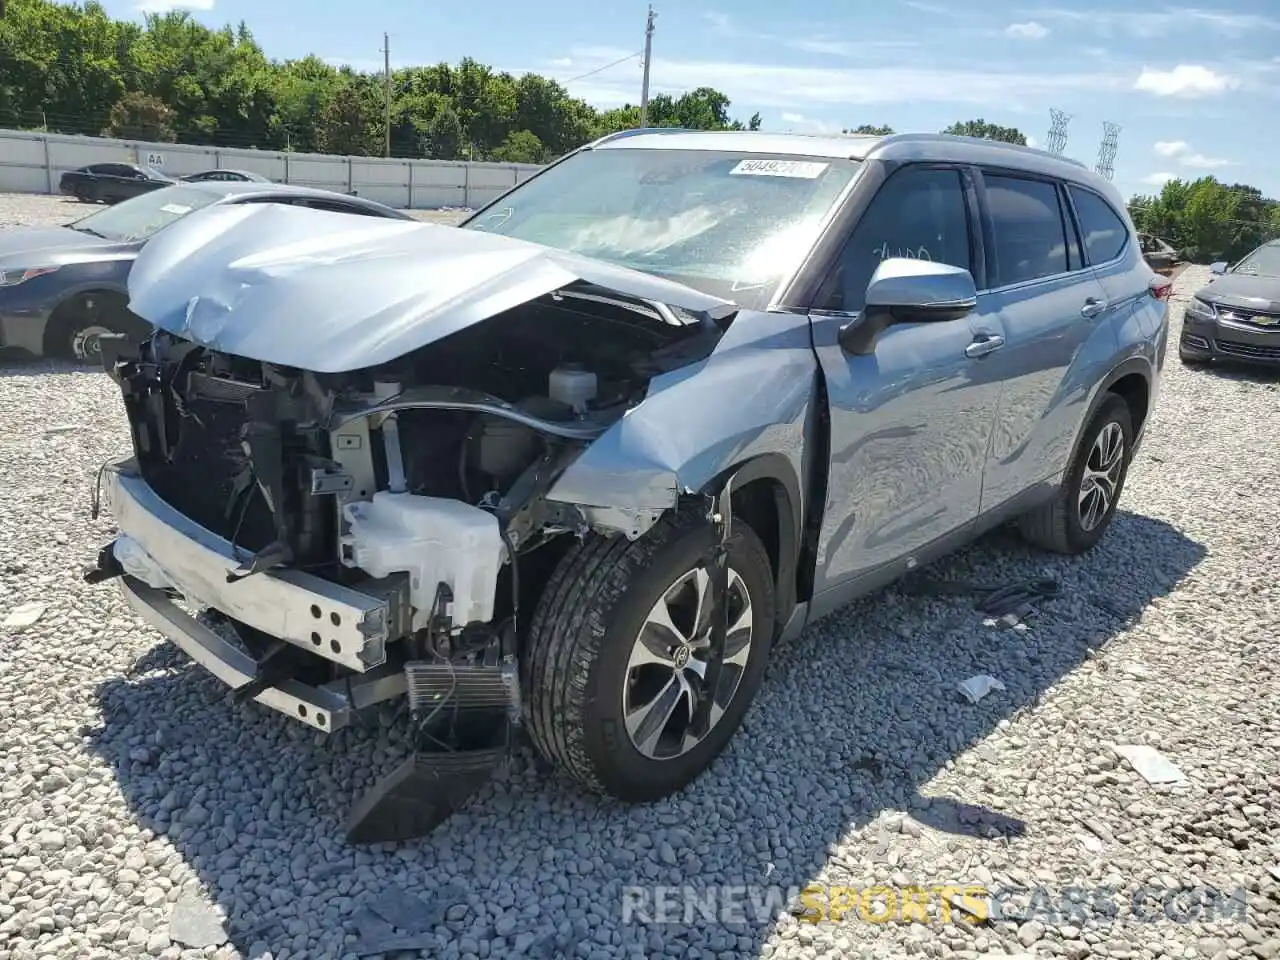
x,y
35,162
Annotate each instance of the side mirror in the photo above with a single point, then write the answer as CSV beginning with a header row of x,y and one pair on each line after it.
x,y
1218,269
904,290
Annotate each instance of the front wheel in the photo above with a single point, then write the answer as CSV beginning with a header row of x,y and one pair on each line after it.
x,y
618,658
1075,520
77,327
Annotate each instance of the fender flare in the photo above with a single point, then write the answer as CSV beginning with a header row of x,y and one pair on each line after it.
x,y
1139,365
789,505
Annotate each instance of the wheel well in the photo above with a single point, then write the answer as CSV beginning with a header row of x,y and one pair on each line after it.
x,y
756,505
1134,390
64,316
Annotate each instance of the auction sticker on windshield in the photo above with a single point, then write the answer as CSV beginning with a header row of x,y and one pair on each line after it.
x,y
797,169
177,208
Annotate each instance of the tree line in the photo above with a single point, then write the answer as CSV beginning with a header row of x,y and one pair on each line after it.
x,y
73,69
981,129
1208,220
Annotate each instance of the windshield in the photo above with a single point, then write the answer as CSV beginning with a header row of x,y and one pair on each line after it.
x,y
732,225
1263,262
143,216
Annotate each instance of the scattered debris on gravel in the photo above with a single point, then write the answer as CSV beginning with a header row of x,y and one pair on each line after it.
x,y
143,814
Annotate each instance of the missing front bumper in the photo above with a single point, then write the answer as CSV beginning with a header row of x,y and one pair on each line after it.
x,y
326,708
347,626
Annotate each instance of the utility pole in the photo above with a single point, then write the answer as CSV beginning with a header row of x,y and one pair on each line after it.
x,y
648,49
386,53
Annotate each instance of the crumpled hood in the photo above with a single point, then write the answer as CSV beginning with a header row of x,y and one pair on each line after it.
x,y
331,292
1244,291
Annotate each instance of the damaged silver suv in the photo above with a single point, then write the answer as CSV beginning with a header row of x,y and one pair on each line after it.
x,y
577,466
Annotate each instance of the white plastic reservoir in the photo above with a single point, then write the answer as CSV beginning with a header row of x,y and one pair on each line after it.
x,y
434,540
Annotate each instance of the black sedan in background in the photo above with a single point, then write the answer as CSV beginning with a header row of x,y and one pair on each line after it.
x,y
1236,316
224,173
112,182
61,288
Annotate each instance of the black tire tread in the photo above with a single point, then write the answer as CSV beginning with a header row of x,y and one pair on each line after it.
x,y
566,635
1047,526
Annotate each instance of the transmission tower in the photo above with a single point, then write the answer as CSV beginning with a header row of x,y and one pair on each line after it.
x,y
1107,151
1057,141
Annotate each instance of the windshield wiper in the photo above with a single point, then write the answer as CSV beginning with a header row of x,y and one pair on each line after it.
x,y
90,231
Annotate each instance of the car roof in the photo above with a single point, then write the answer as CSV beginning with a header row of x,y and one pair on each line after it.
x,y
919,147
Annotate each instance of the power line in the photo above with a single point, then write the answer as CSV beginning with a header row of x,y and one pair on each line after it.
x,y
607,66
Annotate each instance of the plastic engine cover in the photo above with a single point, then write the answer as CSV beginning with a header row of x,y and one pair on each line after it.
x,y
434,540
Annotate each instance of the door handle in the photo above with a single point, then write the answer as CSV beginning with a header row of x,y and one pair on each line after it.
x,y
1092,308
980,348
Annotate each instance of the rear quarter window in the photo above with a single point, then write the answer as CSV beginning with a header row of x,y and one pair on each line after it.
x,y
1103,231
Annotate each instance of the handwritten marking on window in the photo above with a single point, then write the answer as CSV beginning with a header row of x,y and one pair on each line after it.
x,y
920,253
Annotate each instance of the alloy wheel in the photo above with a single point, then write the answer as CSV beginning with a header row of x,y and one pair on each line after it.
x,y
86,346
667,669
1101,477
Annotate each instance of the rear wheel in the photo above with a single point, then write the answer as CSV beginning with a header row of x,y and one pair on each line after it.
x,y
618,656
1075,520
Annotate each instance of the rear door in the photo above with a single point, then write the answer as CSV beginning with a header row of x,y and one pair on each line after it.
x,y
1053,312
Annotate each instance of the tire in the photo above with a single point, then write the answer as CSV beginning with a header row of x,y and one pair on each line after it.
x,y
1063,524
582,637
75,326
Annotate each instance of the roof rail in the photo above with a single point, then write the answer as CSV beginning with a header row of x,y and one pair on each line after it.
x,y
638,131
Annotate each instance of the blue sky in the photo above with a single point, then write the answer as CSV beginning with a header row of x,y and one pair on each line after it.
x,y
1195,89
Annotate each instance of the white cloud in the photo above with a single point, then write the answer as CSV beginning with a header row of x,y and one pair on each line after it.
x,y
932,9
1027,31
562,62
1032,141
718,21
1158,23
1182,152
793,118
1158,179
164,6
1184,80
847,48
794,88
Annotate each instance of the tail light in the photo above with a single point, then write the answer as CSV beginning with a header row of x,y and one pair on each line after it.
x,y
1160,287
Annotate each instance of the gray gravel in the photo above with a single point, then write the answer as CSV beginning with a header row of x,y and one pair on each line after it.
x,y
129,784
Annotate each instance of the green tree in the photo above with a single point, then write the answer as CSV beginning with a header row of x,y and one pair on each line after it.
x,y
986,131
871,130
140,116
350,124
68,67
521,147
444,134
1208,220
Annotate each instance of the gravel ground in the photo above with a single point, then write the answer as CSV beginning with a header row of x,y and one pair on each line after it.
x,y
130,785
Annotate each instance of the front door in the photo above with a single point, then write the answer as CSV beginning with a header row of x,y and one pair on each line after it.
x,y
910,422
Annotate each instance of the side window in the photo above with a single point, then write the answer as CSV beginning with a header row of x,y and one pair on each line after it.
x,y
919,213
1104,232
1029,231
